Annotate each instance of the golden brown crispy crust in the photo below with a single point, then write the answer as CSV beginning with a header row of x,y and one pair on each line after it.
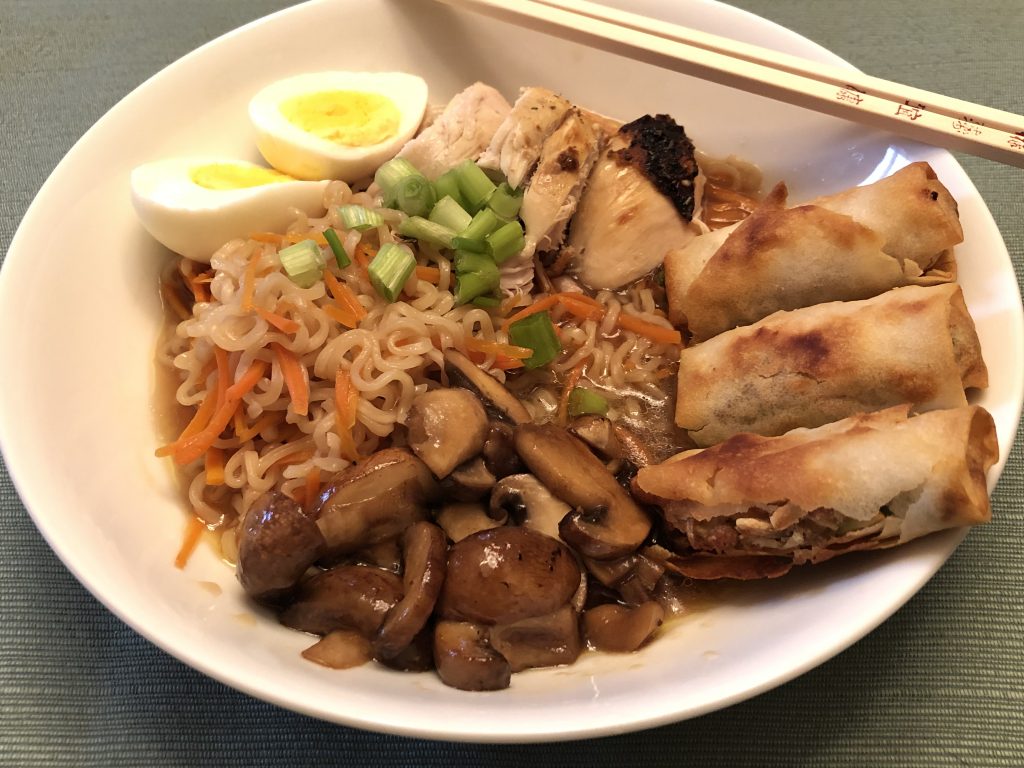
x,y
869,481
782,259
911,209
815,365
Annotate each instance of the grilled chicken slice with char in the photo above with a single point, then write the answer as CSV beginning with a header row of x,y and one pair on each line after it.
x,y
516,146
638,204
463,130
550,200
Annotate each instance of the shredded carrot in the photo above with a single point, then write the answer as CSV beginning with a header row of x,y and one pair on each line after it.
x,y
430,274
346,401
171,297
197,284
282,323
364,255
267,237
538,306
295,378
340,316
249,289
581,298
201,418
570,383
662,373
190,449
344,298
650,330
497,349
214,466
312,489
193,532
507,363
581,309
316,237
269,418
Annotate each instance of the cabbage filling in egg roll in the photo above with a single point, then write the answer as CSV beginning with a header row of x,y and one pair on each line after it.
x,y
814,365
870,481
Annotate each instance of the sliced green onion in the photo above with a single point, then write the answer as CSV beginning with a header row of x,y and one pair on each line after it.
x,y
390,175
390,269
448,213
536,332
472,238
303,263
470,261
359,217
447,185
427,231
583,400
405,188
505,202
474,185
506,241
473,285
337,248
486,302
416,196
476,275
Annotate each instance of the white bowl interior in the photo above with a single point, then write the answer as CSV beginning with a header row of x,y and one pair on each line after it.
x,y
82,323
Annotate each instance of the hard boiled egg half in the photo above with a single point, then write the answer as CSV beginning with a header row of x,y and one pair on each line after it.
x,y
337,125
194,205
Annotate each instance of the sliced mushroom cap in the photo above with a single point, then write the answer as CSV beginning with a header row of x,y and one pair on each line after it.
x,y
466,518
606,523
507,574
465,660
542,641
464,372
340,649
469,481
527,502
621,629
346,597
418,656
374,500
446,427
499,451
632,447
423,556
599,433
277,542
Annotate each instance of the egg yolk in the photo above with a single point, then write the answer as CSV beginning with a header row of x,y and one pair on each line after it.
x,y
351,118
222,176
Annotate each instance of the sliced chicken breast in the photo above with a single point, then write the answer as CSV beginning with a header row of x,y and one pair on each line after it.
x,y
463,130
550,200
637,205
516,145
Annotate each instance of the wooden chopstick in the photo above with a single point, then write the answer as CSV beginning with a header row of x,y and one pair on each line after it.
x,y
846,93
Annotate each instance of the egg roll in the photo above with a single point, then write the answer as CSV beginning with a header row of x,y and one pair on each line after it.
x,y
869,481
814,365
911,209
783,258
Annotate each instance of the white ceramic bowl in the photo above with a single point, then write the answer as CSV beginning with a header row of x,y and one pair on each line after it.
x,y
76,417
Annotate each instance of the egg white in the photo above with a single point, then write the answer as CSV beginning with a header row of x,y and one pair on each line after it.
x,y
303,155
195,221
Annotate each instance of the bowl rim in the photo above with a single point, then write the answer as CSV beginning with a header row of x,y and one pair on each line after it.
x,y
195,660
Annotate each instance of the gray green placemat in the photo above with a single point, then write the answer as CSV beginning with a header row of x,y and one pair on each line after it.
x,y
939,684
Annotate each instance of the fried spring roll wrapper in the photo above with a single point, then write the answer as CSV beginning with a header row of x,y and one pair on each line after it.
x,y
815,365
912,210
870,481
839,248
